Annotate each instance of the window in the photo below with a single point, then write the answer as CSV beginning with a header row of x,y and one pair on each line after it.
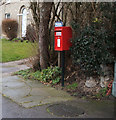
x,y
7,15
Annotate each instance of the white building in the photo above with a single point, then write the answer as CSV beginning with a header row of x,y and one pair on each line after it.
x,y
18,10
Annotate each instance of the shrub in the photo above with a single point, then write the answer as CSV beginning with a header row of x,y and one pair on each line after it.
x,y
10,28
95,37
92,48
31,33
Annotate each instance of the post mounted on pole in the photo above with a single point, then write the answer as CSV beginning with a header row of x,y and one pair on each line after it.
x,y
62,42
63,66
59,24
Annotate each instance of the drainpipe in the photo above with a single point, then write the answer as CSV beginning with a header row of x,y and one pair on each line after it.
x,y
114,82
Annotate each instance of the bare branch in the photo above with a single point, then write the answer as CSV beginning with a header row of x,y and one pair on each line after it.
x,y
54,14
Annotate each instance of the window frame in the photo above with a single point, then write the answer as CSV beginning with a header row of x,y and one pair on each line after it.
x,y
7,15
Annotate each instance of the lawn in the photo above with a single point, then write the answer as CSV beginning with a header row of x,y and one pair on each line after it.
x,y
12,51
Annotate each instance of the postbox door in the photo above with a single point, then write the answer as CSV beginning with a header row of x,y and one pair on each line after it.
x,y
58,43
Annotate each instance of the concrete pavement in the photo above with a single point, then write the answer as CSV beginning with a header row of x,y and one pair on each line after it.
x,y
28,93
43,101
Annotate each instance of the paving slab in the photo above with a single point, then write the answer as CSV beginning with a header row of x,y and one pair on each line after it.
x,y
10,78
34,84
28,97
28,93
13,84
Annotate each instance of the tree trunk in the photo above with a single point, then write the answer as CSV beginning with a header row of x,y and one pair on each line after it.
x,y
45,14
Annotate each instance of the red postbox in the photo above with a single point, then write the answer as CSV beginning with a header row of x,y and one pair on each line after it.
x,y
63,36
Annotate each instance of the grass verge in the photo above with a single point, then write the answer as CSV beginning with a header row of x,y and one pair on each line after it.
x,y
12,51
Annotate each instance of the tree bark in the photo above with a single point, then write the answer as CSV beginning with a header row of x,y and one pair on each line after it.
x,y
45,14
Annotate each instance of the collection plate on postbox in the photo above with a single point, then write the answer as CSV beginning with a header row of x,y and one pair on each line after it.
x,y
62,38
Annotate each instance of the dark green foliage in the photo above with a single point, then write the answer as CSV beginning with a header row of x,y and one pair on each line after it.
x,y
72,86
94,43
91,49
102,93
49,75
